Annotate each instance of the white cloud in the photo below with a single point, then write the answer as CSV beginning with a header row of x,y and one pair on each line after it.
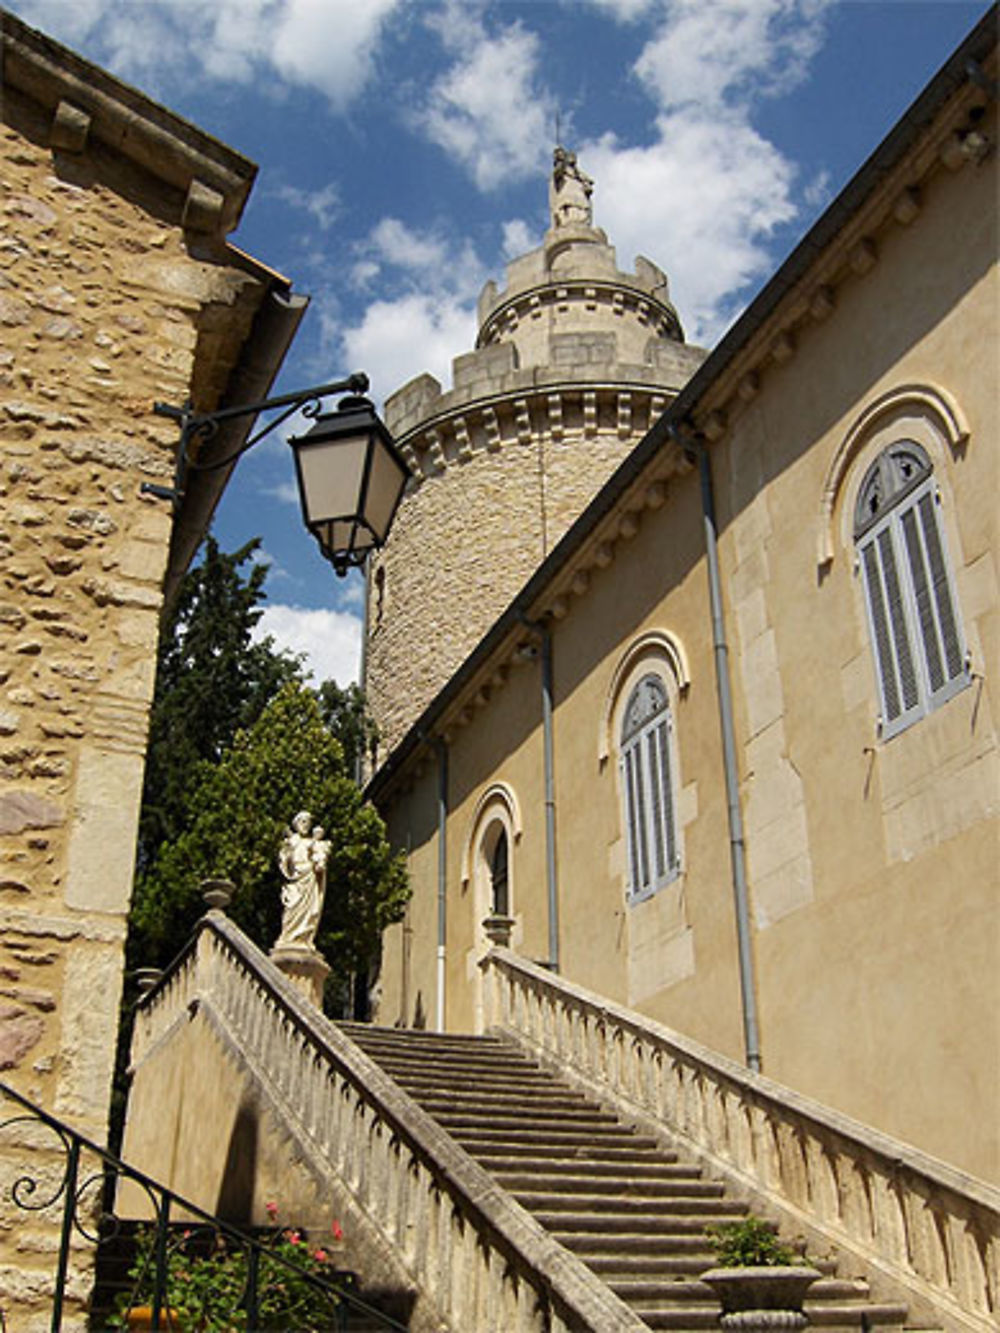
x,y
625,11
488,110
397,340
518,238
432,319
706,194
322,205
723,52
328,45
285,491
330,640
408,248
701,200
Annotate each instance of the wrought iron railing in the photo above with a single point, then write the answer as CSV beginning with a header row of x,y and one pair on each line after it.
x,y
73,1181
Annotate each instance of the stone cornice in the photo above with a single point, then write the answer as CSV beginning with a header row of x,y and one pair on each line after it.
x,y
88,106
523,416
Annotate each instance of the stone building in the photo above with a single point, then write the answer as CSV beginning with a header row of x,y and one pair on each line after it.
x,y
117,288
727,754
574,361
722,775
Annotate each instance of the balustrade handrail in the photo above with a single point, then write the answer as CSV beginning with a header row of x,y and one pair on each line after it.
x,y
556,1276
941,1235
896,1154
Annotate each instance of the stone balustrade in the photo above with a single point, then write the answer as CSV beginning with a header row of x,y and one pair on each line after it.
x,y
481,1260
928,1229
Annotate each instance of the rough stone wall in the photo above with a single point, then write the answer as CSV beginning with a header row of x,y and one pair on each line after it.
x,y
102,310
470,535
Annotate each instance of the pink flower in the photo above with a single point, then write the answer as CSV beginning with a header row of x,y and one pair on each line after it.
x,y
338,1233
295,1237
272,1210
320,1256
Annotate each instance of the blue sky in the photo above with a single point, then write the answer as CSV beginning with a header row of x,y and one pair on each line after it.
x,y
404,147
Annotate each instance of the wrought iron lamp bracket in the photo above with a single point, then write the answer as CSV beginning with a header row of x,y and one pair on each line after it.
x,y
202,426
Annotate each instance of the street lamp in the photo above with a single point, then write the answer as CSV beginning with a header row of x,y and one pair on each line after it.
x,y
351,475
351,479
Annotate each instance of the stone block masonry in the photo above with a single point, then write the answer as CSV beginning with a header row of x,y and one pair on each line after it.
x,y
107,303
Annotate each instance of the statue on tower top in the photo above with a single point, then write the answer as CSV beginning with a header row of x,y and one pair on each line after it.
x,y
569,192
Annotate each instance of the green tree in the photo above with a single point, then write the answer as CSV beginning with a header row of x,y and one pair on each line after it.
x,y
241,806
345,712
212,679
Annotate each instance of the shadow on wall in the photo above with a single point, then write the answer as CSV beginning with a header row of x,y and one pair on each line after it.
x,y
235,1202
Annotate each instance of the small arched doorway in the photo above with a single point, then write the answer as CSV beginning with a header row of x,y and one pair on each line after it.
x,y
488,878
499,863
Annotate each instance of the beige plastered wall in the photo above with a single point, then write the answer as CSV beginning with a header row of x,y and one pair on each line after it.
x,y
102,310
872,865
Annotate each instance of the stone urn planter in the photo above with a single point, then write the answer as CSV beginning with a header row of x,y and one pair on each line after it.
x,y
763,1297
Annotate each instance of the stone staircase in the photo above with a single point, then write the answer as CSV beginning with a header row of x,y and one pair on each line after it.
x,y
617,1199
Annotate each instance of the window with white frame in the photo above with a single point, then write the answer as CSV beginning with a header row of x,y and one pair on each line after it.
x,y
647,768
916,633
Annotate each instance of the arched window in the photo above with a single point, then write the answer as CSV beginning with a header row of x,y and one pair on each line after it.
x,y
916,635
648,788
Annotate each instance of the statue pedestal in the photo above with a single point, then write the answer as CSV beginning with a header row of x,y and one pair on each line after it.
x,y
305,969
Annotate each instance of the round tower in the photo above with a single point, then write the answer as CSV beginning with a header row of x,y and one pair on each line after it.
x,y
574,362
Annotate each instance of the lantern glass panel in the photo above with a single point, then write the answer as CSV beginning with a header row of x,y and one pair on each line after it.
x,y
331,473
384,487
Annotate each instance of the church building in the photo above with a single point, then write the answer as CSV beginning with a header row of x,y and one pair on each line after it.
x,y
682,662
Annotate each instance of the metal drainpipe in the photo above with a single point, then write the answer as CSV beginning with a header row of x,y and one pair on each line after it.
x,y
551,878
362,758
737,846
442,749
550,800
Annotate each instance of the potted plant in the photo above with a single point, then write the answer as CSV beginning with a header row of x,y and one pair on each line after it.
x,y
761,1282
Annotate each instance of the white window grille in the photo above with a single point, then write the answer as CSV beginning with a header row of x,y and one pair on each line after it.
x,y
648,789
916,634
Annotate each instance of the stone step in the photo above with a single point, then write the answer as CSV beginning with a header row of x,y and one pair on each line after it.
x,y
615,1205
493,1057
569,1214
426,1082
615,1158
597,1241
370,1034
622,1172
548,1140
535,1118
462,1066
618,1187
652,1267
839,1319
613,1197
507,1103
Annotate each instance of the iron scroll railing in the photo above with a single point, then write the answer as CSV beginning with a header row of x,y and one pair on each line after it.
x,y
73,1181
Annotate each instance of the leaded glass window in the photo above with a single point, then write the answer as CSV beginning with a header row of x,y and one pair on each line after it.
x,y
917,642
648,789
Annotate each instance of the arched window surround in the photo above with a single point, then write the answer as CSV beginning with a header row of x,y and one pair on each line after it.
x,y
923,411
655,645
650,678
888,484
498,803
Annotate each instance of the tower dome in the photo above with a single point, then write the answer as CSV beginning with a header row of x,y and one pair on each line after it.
x,y
574,361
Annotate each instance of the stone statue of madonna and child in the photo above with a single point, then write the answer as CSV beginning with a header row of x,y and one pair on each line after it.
x,y
302,860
